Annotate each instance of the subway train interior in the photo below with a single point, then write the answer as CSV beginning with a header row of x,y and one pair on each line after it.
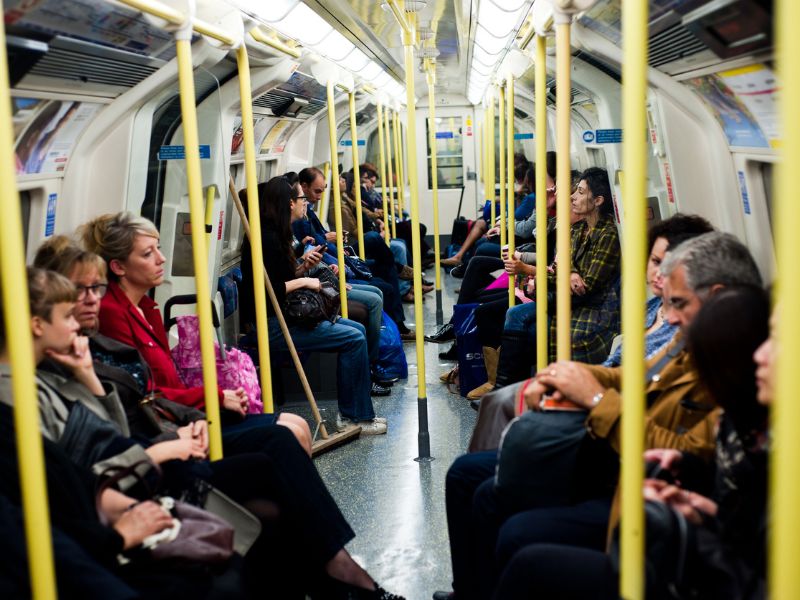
x,y
377,149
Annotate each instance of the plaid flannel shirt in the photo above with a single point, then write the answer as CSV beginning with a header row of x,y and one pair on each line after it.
x,y
595,315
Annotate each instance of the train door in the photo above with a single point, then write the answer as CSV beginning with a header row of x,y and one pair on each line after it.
x,y
457,154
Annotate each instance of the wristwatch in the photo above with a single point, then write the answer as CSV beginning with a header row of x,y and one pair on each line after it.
x,y
597,397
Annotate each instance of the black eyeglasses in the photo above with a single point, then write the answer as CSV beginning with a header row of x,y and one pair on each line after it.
x,y
98,289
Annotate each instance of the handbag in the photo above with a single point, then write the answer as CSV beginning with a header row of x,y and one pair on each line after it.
x,y
197,535
235,369
306,308
359,267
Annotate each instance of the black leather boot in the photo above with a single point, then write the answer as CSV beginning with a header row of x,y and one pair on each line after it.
x,y
517,356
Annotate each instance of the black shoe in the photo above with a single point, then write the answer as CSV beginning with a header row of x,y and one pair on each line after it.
x,y
381,377
450,354
475,404
333,589
444,596
446,333
426,282
459,270
379,390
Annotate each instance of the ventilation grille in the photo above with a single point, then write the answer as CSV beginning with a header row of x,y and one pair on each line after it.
x,y
674,43
59,63
278,101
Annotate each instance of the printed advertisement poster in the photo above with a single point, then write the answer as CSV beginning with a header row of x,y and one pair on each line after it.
x,y
46,143
273,141
260,127
756,87
740,127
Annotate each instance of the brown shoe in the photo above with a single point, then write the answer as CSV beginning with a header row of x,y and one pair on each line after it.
x,y
450,262
406,273
491,357
408,298
408,336
450,376
479,391
427,289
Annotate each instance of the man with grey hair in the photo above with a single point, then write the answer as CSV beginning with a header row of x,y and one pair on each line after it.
x,y
679,415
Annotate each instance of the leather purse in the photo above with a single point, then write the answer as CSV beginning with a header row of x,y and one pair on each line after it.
x,y
307,308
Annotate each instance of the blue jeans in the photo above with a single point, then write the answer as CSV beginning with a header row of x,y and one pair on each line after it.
x,y
348,339
522,318
485,248
372,298
398,248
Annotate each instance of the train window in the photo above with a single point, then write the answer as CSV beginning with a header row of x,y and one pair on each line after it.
x,y
25,210
597,157
449,153
766,171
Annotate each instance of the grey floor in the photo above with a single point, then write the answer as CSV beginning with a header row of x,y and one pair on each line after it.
x,y
395,504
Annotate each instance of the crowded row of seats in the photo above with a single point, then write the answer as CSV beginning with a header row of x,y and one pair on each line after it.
x,y
534,505
110,399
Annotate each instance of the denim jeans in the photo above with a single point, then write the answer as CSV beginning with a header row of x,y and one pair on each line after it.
x,y
372,298
522,318
348,339
398,248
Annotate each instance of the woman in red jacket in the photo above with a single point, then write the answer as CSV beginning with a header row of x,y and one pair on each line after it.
x,y
130,247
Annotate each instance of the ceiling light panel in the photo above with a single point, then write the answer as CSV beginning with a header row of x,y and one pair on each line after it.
x,y
305,25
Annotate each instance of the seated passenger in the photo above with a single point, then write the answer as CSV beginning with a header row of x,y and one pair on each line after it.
x,y
594,285
693,272
279,207
79,413
729,521
130,247
312,182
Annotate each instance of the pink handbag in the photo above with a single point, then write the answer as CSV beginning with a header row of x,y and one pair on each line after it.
x,y
499,283
235,369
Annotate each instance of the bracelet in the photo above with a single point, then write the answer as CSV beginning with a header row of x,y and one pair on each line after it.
x,y
597,397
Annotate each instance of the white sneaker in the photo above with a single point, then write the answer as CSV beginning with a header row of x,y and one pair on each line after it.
x,y
372,427
342,423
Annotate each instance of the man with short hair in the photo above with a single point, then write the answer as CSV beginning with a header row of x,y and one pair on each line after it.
x,y
679,416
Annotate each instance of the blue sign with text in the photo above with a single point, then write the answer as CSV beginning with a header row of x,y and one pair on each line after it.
x,y
179,152
350,143
444,135
608,136
50,223
523,136
745,196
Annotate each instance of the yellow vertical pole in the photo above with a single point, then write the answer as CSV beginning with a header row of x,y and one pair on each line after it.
x,y
337,196
356,175
563,82
784,576
390,183
254,212
199,249
490,154
398,156
482,161
634,160
16,313
382,147
326,194
510,180
423,437
501,148
431,79
540,83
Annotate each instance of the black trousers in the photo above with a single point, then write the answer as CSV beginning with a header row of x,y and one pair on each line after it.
x,y
551,571
490,318
476,277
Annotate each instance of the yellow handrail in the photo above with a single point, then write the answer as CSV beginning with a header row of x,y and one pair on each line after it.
x,y
563,312
784,576
490,154
540,82
199,248
512,280
390,183
326,194
634,157
337,196
384,197
501,148
413,183
254,212
401,175
273,42
356,175
16,313
399,15
431,80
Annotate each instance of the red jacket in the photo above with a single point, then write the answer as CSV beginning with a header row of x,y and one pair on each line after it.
x,y
120,320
